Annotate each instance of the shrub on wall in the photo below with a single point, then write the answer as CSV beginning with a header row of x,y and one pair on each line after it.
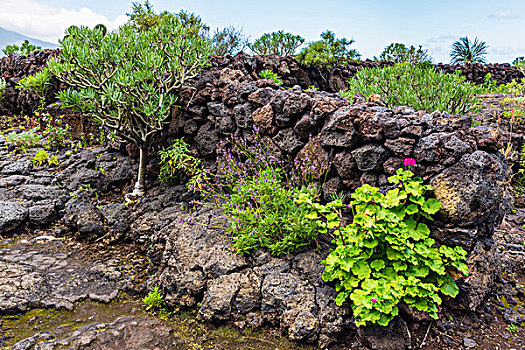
x,y
127,78
328,52
419,86
399,53
277,43
228,41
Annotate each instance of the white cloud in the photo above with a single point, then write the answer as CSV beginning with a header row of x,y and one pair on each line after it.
x,y
48,23
504,15
441,39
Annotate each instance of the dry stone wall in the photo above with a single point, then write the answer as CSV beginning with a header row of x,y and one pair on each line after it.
x,y
365,143
15,67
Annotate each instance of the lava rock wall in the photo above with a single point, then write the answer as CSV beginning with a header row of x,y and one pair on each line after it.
x,y
14,67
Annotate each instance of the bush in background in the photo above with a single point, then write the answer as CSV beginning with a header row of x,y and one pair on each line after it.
x,y
277,43
399,53
328,52
419,86
228,41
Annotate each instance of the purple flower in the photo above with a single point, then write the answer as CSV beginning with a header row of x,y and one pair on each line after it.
x,y
409,162
373,300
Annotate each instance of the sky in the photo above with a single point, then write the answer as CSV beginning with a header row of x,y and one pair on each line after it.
x,y
373,24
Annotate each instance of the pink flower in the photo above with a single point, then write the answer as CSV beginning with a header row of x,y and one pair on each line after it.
x,y
373,300
409,162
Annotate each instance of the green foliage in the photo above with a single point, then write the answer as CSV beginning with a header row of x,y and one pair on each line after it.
x,y
465,51
228,41
328,52
399,53
25,49
54,131
268,74
277,43
519,62
256,192
127,78
515,87
154,301
385,255
177,159
42,157
25,139
143,18
419,86
3,87
38,83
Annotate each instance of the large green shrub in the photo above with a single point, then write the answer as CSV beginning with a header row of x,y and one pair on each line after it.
x,y
416,85
3,87
385,256
256,191
277,43
127,79
328,52
399,53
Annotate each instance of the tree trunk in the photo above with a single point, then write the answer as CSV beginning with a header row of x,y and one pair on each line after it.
x,y
140,185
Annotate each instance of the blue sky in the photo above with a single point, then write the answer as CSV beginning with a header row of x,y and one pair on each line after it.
x,y
373,24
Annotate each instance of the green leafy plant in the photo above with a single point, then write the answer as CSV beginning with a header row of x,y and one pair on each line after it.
x,y
25,49
177,159
144,18
419,86
467,51
127,78
41,157
268,74
399,53
228,41
277,43
385,255
3,87
256,191
25,139
328,52
513,328
39,84
154,301
54,130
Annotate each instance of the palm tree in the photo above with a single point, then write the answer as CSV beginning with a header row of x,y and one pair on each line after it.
x,y
465,51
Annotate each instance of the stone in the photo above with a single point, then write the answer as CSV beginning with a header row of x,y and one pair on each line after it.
x,y
206,140
472,190
13,214
42,214
288,141
263,117
339,130
395,336
243,115
296,104
312,161
370,157
84,217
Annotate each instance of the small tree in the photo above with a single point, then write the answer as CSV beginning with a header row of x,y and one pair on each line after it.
x,y
466,51
143,17
329,52
127,78
228,41
277,43
399,53
25,49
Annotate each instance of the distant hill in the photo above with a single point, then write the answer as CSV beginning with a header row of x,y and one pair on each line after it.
x,y
8,37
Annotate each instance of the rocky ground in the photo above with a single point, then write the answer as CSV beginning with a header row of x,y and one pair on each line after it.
x,y
76,262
